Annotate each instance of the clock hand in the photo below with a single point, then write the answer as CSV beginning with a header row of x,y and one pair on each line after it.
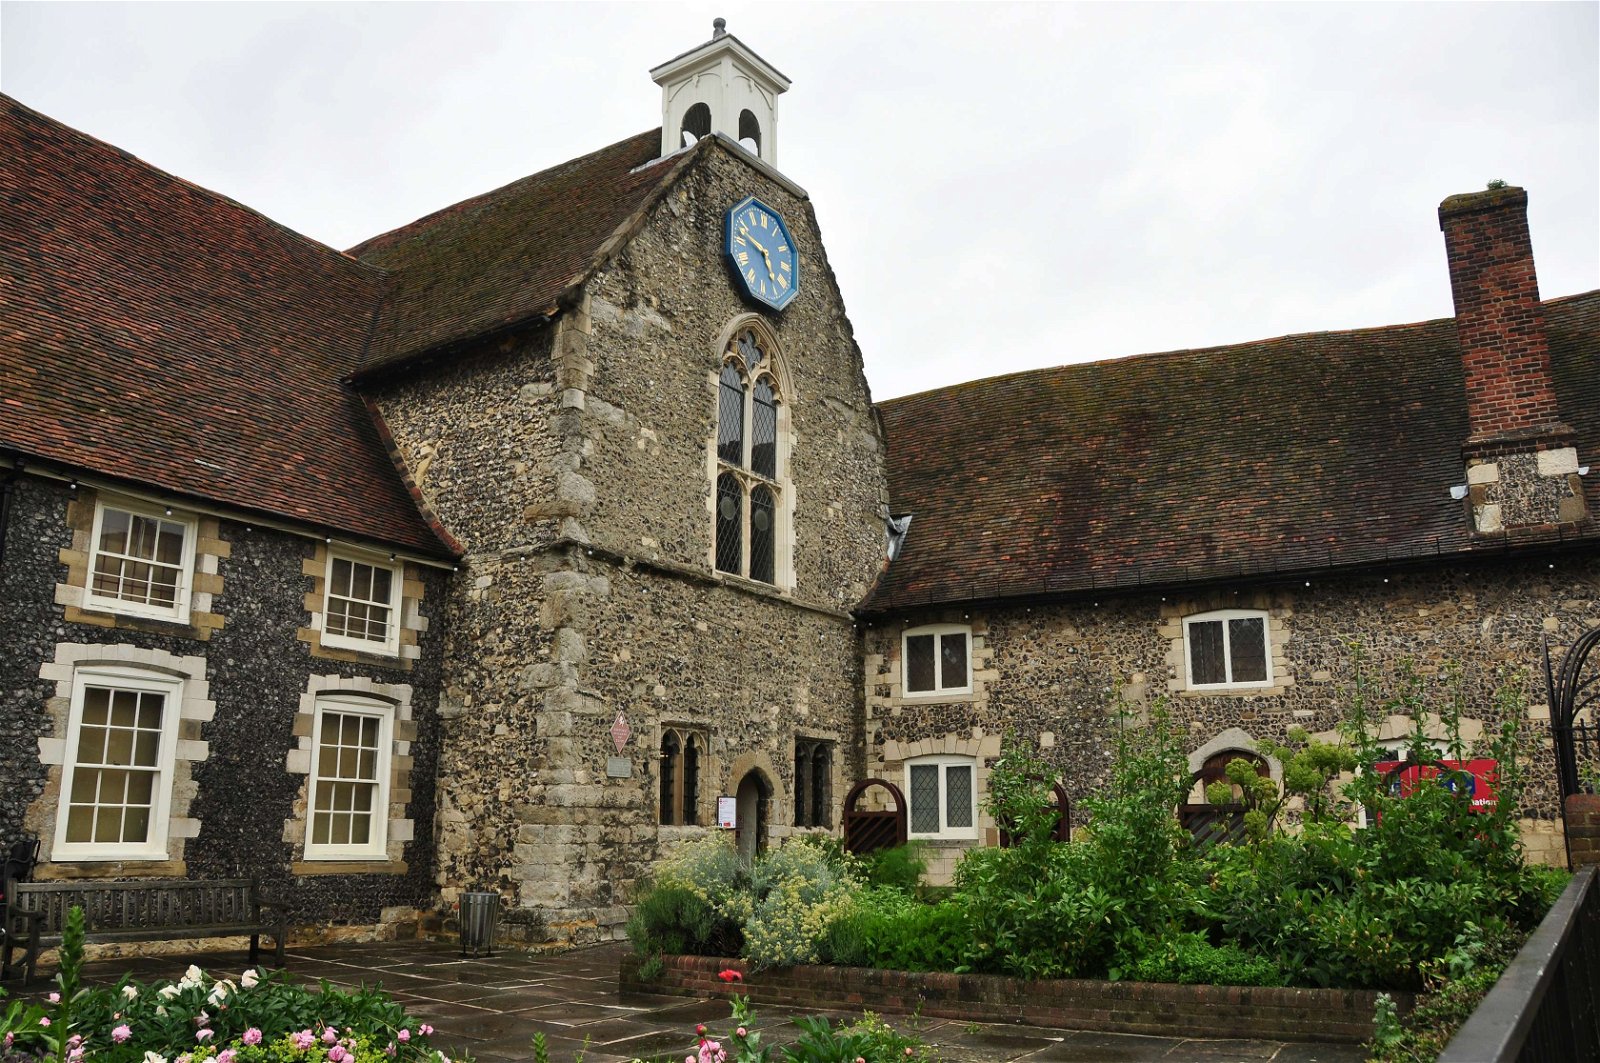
x,y
764,253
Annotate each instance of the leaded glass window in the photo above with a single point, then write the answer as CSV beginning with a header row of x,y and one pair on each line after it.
x,y
924,799
813,759
764,431
748,489
680,775
942,794
936,660
1227,649
730,417
762,519
730,523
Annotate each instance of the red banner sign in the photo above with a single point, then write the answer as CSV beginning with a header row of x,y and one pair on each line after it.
x,y
1476,778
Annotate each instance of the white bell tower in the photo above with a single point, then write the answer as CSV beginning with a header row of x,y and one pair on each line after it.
x,y
720,87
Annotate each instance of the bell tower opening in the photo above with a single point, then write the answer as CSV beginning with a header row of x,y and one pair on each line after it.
x,y
720,87
696,123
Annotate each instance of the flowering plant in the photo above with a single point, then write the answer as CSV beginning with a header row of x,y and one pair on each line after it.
x,y
259,1018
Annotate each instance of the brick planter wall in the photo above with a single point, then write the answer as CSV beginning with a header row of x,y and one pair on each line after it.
x,y
1337,1015
1583,829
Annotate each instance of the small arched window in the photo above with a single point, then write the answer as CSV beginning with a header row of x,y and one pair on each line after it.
x,y
750,535
749,132
681,750
696,123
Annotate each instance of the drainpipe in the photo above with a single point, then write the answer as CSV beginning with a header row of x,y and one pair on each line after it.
x,y
7,486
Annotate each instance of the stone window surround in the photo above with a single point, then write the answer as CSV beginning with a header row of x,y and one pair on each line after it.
x,y
889,670
410,621
344,704
702,737
1279,633
194,708
961,692
399,829
829,745
204,549
775,366
1223,616
390,646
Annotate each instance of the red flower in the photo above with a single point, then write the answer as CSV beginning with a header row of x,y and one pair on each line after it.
x,y
730,975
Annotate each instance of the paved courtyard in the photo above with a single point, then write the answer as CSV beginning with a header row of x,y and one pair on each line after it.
x,y
491,1008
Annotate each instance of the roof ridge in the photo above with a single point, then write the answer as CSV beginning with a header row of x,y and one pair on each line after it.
x,y
1182,352
210,193
389,236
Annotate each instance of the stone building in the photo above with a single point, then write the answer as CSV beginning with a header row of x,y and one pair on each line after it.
x,y
515,546
1223,529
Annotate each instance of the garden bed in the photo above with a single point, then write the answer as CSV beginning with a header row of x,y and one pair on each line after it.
x,y
1333,1015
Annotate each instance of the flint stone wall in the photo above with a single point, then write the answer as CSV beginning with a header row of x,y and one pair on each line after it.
x,y
1056,673
588,588
257,671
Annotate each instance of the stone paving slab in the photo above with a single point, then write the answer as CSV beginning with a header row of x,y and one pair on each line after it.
x,y
492,1006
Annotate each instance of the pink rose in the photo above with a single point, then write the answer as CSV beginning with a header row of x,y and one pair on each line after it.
x,y
121,1033
304,1040
337,1054
252,1036
203,1034
425,1029
227,1055
741,1031
44,1021
330,1035
403,1036
54,998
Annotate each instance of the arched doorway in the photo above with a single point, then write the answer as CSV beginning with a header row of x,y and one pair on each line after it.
x,y
754,798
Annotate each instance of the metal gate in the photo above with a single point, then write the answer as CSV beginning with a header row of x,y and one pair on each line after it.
x,y
868,830
1573,689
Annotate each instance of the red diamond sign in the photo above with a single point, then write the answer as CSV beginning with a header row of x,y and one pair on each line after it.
x,y
620,731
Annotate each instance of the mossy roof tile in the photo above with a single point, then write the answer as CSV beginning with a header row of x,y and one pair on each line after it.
x,y
1290,454
165,335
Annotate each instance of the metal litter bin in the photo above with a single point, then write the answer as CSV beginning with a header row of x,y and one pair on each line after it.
x,y
480,918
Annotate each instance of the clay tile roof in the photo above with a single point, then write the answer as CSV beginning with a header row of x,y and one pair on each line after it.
x,y
506,256
156,332
1291,454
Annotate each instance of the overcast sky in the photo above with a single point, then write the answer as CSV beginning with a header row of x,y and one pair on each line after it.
x,y
1000,187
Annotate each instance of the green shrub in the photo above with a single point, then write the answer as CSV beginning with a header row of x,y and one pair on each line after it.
x,y
899,868
1190,959
673,918
885,928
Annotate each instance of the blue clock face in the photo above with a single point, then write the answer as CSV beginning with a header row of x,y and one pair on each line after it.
x,y
761,254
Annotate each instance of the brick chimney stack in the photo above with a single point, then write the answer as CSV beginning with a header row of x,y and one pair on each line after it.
x,y
1521,465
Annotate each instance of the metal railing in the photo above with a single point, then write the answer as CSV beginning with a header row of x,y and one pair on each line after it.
x,y
1546,1006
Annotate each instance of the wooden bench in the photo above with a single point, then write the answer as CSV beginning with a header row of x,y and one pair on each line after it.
x,y
154,909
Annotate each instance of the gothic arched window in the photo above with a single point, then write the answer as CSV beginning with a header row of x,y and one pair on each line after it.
x,y
681,750
750,534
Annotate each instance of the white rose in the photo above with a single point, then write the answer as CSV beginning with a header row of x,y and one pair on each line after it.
x,y
161,1011
130,992
249,978
167,992
193,974
154,1057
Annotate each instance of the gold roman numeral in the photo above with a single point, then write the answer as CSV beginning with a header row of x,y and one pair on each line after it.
x,y
744,258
